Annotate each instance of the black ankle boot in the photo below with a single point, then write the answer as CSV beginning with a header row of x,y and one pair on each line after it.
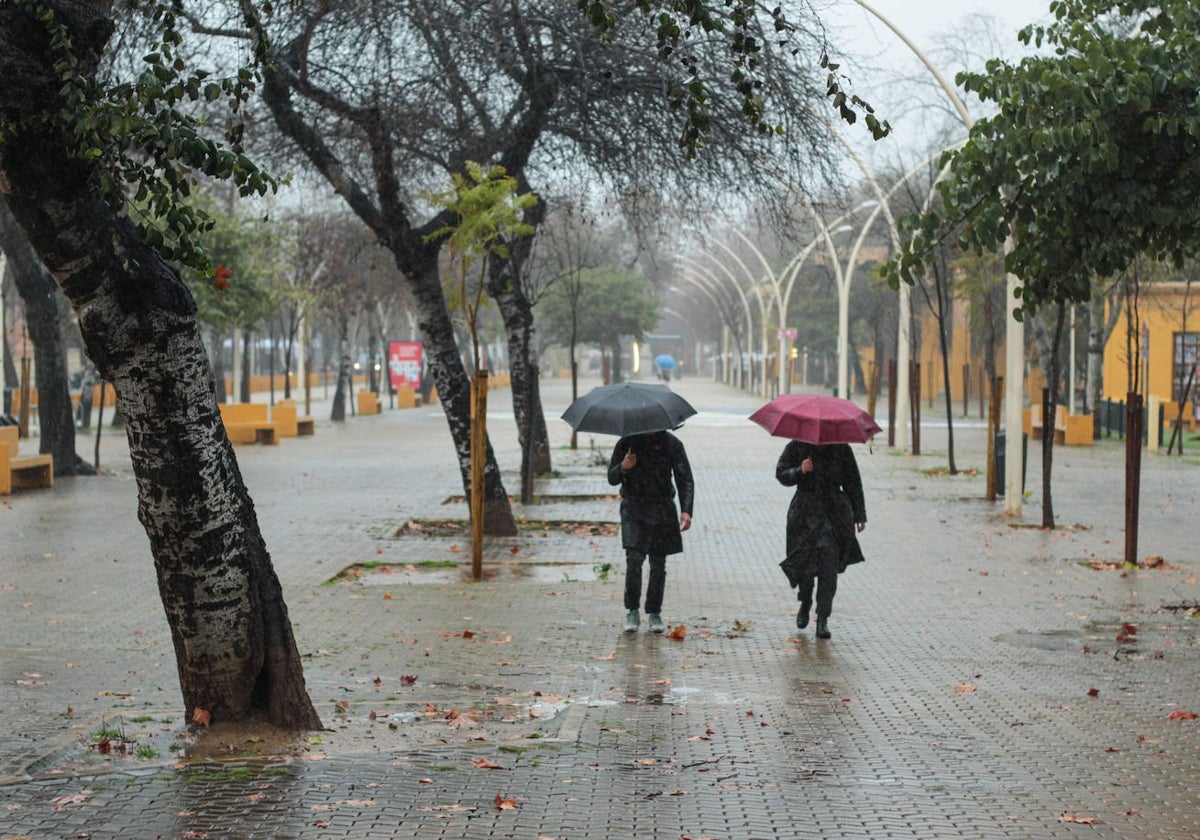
x,y
823,627
802,616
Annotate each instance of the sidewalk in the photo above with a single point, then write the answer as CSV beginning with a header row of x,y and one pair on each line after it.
x,y
982,680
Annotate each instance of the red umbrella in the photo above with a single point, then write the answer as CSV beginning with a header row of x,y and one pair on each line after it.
x,y
816,418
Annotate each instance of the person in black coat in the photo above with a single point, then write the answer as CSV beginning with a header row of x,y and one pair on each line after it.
x,y
825,514
650,468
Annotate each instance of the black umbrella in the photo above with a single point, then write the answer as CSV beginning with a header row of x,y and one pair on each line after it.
x,y
628,408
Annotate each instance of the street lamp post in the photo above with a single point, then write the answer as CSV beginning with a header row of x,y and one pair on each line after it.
x,y
1014,334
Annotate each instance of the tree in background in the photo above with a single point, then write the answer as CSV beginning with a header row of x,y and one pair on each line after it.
x,y
614,303
43,319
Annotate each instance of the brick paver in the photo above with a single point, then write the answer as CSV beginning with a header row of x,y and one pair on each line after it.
x,y
981,681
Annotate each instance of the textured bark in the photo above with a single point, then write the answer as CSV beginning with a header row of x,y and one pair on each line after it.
x,y
236,654
36,287
416,259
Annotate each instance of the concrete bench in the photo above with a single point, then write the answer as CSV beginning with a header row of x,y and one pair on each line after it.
x,y
248,423
290,423
17,472
368,402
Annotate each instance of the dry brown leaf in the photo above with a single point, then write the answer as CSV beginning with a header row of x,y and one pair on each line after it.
x,y
61,802
1179,714
1072,818
964,688
201,717
505,804
484,764
677,633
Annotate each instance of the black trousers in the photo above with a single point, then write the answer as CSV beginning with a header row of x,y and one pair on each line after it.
x,y
633,580
824,574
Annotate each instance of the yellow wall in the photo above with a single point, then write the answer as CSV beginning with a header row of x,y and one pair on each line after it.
x,y
1160,309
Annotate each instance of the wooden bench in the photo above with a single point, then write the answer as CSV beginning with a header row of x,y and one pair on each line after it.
x,y
18,473
1171,414
1069,429
407,398
248,423
290,423
368,402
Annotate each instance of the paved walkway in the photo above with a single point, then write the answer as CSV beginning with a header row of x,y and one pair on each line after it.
x,y
983,679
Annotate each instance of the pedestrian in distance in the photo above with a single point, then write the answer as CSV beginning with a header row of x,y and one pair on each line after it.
x,y
650,468
825,516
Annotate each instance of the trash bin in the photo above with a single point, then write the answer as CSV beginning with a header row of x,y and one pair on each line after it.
x,y
1002,461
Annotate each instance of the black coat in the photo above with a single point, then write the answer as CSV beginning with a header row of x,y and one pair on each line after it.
x,y
828,501
649,521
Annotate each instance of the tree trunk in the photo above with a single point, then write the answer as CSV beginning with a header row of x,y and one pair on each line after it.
x,y
236,654
37,290
454,395
1049,413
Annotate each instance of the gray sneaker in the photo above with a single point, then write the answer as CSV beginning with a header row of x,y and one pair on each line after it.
x,y
632,620
656,623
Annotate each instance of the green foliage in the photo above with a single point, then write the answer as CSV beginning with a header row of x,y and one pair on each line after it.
x,y
680,22
1091,158
613,303
243,245
487,214
146,152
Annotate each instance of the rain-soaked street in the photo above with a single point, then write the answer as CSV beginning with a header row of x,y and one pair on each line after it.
x,y
985,678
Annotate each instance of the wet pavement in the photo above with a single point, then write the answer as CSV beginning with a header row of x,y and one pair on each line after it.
x,y
986,678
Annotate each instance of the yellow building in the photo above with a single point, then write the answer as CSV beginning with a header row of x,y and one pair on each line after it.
x,y
1161,348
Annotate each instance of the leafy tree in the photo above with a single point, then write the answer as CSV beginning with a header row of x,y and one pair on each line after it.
x,y
1090,158
614,303
79,152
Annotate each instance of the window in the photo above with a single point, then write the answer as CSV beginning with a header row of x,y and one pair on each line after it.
x,y
1186,347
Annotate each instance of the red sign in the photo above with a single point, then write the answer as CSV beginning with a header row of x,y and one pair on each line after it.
x,y
404,364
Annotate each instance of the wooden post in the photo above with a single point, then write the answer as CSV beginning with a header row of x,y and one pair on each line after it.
x,y
994,481
915,402
966,389
479,389
891,402
1133,472
872,386
26,398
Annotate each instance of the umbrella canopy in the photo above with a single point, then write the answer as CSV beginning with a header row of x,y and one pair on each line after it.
x,y
628,408
816,418
666,361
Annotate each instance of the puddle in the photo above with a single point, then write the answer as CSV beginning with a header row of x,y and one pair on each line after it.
x,y
1054,640
538,573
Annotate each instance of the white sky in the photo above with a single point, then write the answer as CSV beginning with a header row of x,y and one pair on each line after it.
x,y
954,34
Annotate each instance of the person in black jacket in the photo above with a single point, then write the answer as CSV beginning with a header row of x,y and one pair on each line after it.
x,y
645,466
823,518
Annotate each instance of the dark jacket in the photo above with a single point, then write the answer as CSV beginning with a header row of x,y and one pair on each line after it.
x,y
649,521
828,501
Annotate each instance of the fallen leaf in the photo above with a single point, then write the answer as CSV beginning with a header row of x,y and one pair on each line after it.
x,y
425,781
1130,629
468,634
504,804
514,550
964,687
484,764
387,596
378,681
61,802
201,717
1072,818
408,679
1179,714
1093,692
677,633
